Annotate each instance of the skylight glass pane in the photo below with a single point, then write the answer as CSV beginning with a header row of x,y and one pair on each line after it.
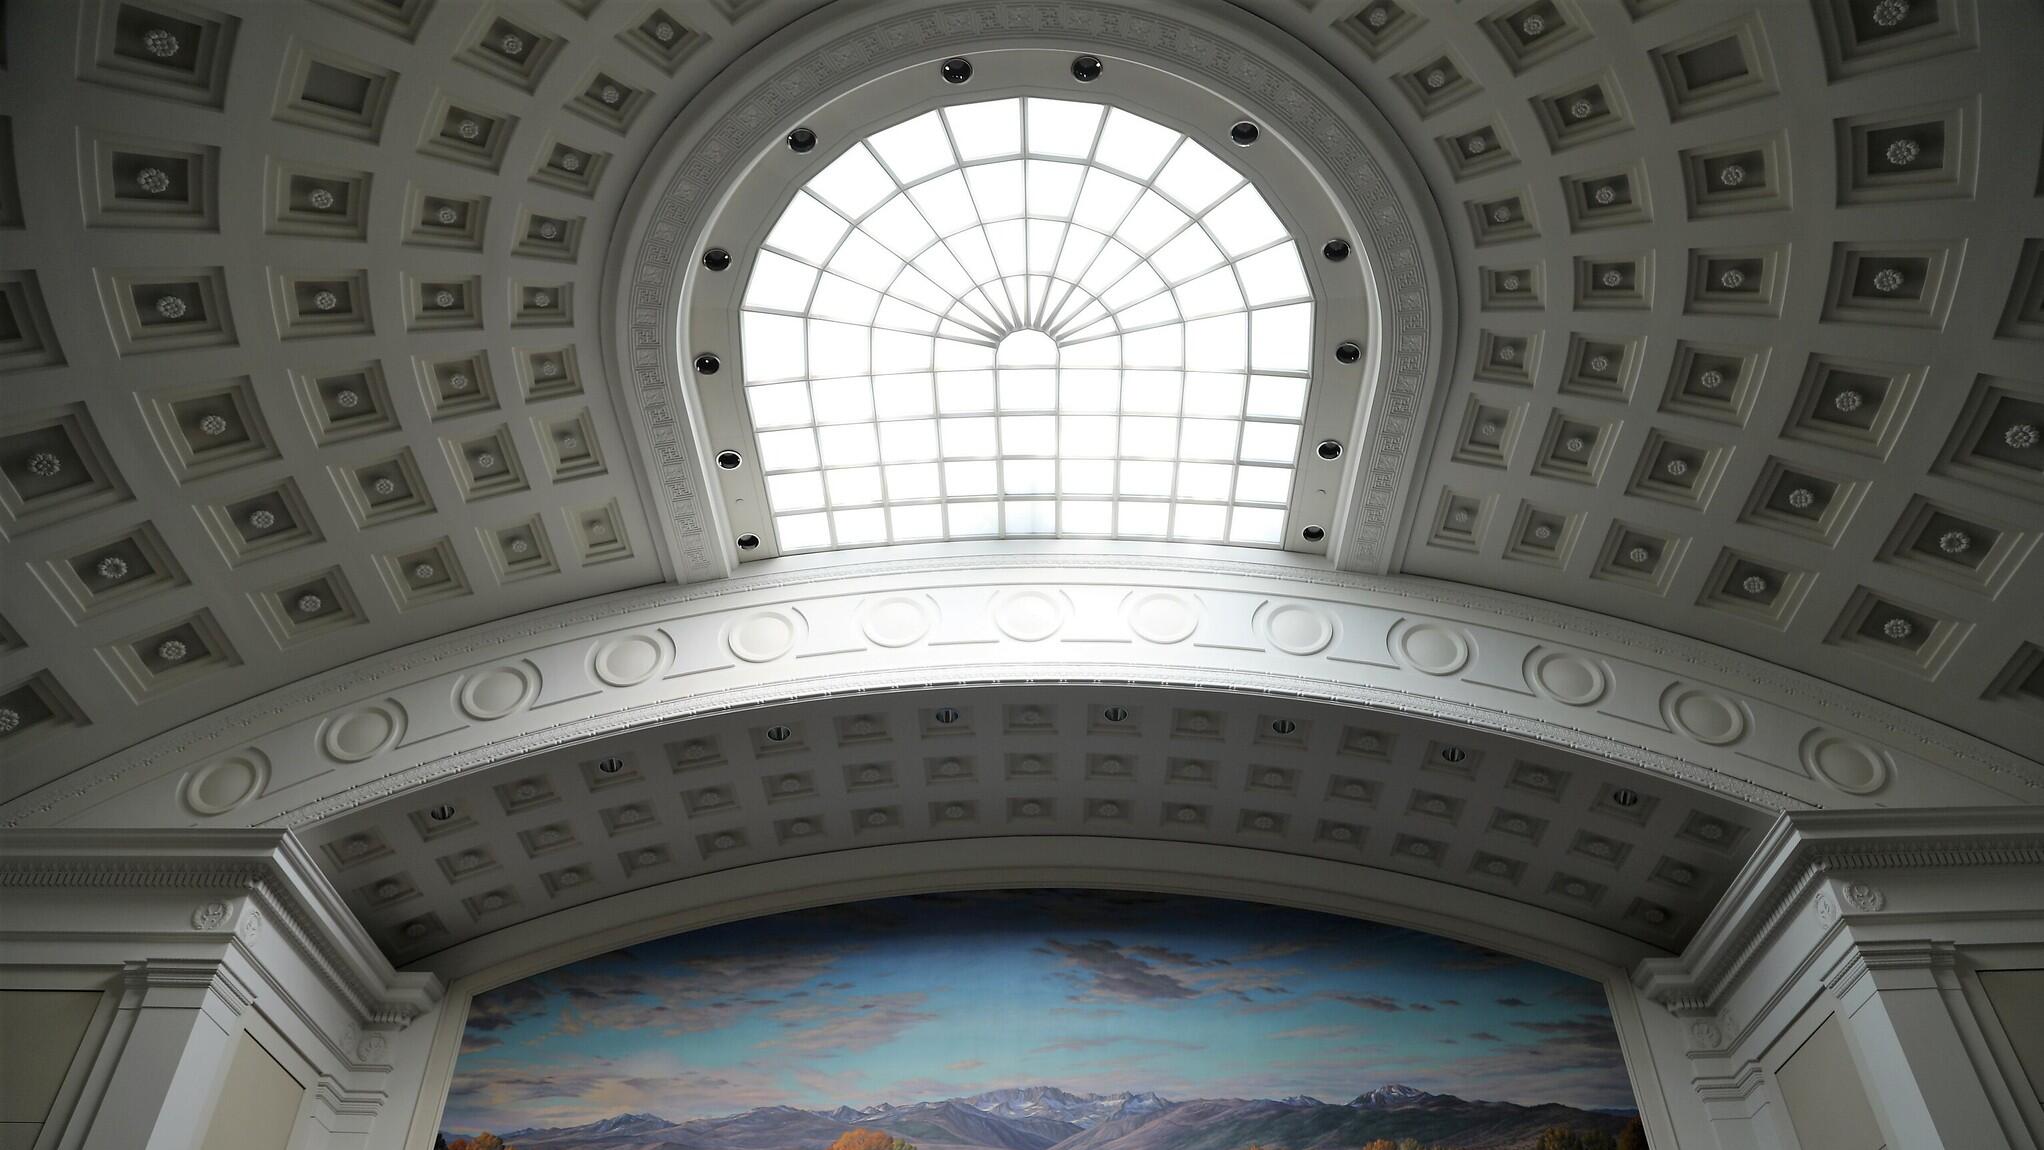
x,y
854,528
1131,144
1199,522
1027,317
773,346
853,183
779,283
916,148
803,532
796,491
993,128
1196,179
807,230
945,203
1244,222
1281,338
913,523
1062,127
1277,397
1273,275
900,228
1263,484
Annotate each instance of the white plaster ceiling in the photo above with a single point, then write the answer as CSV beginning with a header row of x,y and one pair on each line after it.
x,y
96,372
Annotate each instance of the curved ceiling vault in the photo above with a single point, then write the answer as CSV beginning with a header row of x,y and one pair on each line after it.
x,y
319,348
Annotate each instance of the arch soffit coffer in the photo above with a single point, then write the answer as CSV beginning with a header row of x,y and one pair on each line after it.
x,y
1275,79
1547,675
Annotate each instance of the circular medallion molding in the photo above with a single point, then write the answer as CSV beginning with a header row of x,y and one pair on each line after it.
x,y
365,731
226,783
1845,762
1163,616
631,660
722,139
499,691
763,636
894,621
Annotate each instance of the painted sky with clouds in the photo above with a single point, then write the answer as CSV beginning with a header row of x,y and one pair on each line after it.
x,y
939,996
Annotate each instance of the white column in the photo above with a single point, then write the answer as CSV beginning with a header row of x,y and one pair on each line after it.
x,y
180,1018
1926,1090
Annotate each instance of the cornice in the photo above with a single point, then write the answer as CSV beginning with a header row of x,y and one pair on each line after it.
x,y
1800,851
269,867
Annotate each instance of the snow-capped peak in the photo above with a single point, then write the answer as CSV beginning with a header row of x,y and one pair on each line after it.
x,y
1385,1097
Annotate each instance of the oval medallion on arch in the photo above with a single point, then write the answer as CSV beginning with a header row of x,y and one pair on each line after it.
x,y
1566,677
1431,648
1030,614
1164,617
226,783
1297,628
498,691
897,620
763,636
364,732
629,661
1844,762
1704,715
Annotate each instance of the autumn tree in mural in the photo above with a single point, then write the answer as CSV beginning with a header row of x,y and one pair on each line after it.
x,y
863,1138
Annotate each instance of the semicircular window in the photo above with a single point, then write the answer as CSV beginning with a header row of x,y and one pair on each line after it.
x,y
1027,317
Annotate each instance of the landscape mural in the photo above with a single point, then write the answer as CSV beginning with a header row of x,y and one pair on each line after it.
x,y
1044,1020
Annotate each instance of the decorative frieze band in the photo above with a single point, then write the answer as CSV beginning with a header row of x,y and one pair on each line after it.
x,y
1546,675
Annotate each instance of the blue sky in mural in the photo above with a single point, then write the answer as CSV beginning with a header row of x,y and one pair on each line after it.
x,y
936,997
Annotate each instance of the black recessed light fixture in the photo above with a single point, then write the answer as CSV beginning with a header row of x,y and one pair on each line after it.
x,y
779,734
716,259
1087,69
1115,714
1348,351
708,364
1329,449
956,70
801,140
729,460
947,715
442,813
1314,533
748,541
1283,726
1625,797
1453,754
611,765
1336,250
1244,133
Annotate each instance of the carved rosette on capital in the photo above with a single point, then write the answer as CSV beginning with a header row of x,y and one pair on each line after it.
x,y
210,915
1865,898
1846,896
1827,910
1710,1034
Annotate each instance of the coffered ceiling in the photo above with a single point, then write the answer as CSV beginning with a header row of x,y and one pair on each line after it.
x,y
302,352
496,847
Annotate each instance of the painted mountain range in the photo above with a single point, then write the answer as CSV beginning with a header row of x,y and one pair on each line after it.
x,y
1047,1118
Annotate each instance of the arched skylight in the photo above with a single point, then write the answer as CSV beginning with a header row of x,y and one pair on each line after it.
x,y
1027,317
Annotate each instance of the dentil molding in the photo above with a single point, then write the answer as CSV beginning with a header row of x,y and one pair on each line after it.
x,y
1545,674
